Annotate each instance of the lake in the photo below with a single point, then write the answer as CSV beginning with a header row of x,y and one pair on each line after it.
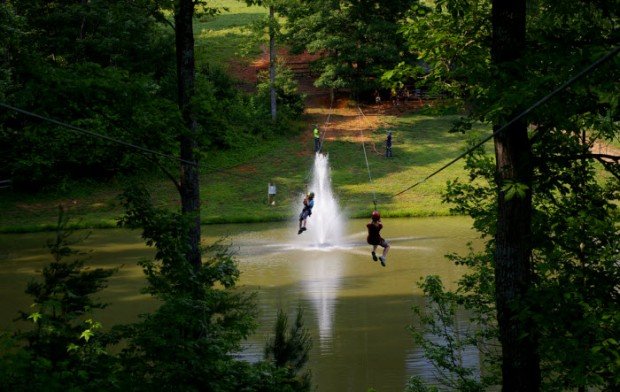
x,y
356,310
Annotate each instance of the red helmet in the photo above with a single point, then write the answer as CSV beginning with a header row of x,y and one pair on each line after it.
x,y
375,216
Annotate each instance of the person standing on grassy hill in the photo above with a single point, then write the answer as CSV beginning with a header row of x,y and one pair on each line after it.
x,y
271,193
306,212
388,145
374,237
317,138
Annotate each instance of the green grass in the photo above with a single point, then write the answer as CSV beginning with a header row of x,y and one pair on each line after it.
x,y
238,192
224,36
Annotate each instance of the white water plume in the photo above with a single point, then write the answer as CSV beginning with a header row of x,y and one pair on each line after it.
x,y
326,224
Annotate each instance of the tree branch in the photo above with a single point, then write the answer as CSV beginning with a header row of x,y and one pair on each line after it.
x,y
163,169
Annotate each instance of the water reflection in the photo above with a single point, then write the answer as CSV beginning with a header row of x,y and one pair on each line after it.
x,y
321,282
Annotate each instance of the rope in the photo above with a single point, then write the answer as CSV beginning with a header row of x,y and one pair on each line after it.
x,y
329,114
374,195
321,138
374,148
95,134
563,86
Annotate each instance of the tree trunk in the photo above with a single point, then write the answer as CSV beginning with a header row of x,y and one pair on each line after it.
x,y
272,63
513,270
189,184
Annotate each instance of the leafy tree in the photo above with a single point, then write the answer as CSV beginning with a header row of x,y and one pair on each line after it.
x,y
450,41
273,31
357,40
188,342
445,342
11,35
79,66
121,33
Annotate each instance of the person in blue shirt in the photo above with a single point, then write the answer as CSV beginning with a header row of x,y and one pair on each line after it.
x,y
306,212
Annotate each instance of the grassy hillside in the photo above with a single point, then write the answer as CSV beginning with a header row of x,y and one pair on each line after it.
x,y
237,192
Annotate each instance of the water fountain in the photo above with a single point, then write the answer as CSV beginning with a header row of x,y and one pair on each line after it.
x,y
322,276
326,224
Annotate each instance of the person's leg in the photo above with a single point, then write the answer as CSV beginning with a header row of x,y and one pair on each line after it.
x,y
383,257
374,255
386,248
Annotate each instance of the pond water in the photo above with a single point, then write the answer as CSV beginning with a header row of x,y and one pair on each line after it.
x,y
356,310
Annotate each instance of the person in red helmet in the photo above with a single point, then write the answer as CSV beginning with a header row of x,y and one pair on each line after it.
x,y
374,237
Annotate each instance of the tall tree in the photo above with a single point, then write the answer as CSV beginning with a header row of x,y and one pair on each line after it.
x,y
545,265
272,62
273,29
513,237
189,186
356,40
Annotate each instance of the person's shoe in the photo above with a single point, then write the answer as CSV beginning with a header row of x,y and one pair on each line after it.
x,y
300,231
303,229
382,260
374,256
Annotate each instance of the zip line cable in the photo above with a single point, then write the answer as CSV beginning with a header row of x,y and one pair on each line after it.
x,y
321,138
329,114
95,134
374,195
572,80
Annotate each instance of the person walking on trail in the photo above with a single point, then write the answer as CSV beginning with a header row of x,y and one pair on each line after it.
x,y
388,145
306,212
271,193
374,237
317,138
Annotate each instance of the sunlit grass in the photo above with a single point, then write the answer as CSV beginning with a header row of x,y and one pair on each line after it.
x,y
237,192
224,36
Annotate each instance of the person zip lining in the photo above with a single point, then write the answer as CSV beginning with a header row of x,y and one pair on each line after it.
x,y
306,212
374,237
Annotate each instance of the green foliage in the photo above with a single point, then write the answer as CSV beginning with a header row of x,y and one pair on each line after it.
x,y
450,41
290,101
357,40
445,342
229,118
574,239
94,65
62,350
120,34
108,101
188,343
11,35
289,351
